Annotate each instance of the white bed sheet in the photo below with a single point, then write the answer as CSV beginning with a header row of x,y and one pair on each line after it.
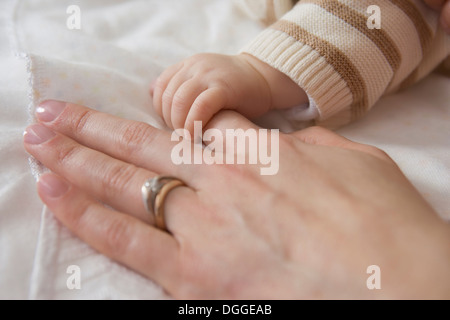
x,y
127,43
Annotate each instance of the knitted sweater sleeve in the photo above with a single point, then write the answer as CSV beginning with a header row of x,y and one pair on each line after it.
x,y
343,61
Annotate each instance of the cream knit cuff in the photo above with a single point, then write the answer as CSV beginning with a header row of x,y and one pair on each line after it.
x,y
309,70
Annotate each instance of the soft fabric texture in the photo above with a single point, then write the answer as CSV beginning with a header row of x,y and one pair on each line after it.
x,y
108,65
327,48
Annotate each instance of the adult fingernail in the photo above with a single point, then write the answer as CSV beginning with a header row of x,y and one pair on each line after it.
x,y
37,134
52,186
49,110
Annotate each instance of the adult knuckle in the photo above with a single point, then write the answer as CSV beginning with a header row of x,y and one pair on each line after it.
x,y
75,216
117,237
312,134
136,136
288,142
81,121
118,179
379,153
238,172
66,154
291,145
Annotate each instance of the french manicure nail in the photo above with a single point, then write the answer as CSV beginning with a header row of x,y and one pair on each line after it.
x,y
37,134
52,186
49,110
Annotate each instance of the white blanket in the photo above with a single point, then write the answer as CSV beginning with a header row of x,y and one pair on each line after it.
x,y
108,64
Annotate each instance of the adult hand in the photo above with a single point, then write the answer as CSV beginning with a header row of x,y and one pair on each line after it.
x,y
335,208
444,7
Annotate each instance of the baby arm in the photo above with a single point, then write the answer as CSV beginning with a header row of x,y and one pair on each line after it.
x,y
199,87
328,49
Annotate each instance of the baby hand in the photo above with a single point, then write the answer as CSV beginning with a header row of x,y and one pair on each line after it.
x,y
199,87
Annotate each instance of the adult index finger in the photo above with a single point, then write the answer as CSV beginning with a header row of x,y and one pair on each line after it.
x,y
127,140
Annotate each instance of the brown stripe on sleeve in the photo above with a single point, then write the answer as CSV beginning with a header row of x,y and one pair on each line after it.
x,y
423,31
340,62
359,21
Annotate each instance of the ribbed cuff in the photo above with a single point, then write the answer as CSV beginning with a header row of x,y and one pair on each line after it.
x,y
309,70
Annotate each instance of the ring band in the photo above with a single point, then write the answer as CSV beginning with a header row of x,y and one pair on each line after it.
x,y
154,193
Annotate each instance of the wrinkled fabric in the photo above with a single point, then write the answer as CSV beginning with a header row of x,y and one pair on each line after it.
x,y
108,65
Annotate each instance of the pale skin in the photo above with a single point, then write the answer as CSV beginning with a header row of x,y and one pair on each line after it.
x,y
199,87
202,85
335,208
311,231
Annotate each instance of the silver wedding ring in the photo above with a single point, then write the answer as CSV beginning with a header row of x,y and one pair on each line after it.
x,y
154,192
